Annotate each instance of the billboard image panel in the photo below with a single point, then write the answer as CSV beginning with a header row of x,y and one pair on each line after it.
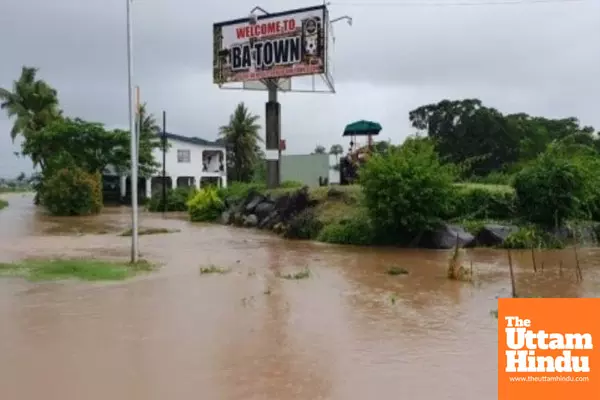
x,y
286,44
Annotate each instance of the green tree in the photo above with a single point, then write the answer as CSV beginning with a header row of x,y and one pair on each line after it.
x,y
466,132
148,124
537,133
407,190
552,189
32,104
319,150
241,137
381,147
87,145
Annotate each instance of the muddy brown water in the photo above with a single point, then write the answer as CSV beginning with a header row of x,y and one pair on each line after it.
x,y
350,331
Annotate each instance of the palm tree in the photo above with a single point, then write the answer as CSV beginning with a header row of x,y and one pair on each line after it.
x,y
149,139
32,103
241,138
147,121
336,150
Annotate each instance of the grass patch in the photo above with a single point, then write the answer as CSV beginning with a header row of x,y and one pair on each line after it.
x,y
213,269
397,271
86,270
3,204
304,274
150,231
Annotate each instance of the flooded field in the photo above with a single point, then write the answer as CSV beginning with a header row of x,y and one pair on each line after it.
x,y
349,331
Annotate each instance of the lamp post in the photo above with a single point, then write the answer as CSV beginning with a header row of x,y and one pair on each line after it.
x,y
133,144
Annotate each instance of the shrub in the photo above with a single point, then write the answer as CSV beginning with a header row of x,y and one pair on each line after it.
x,y
239,190
3,204
206,205
305,225
530,237
176,199
72,191
551,190
482,203
356,231
407,190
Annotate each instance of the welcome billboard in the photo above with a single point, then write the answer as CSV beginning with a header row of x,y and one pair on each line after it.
x,y
279,45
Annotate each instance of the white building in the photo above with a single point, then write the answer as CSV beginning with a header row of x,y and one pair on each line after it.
x,y
189,161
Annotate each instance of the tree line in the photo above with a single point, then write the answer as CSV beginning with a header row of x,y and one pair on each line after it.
x,y
71,152
484,141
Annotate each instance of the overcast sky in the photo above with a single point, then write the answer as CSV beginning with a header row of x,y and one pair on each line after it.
x,y
538,58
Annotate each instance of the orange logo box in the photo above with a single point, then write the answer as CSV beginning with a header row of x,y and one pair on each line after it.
x,y
548,349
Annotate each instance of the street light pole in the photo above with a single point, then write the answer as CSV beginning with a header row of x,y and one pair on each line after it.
x,y
133,136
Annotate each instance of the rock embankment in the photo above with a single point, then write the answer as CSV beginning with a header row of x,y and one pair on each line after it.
x,y
292,214
272,212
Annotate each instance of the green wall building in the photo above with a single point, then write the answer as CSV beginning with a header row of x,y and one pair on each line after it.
x,y
307,168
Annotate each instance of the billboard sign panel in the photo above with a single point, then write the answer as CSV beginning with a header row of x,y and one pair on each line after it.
x,y
280,45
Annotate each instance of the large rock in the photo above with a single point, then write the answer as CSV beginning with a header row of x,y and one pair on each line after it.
x,y
250,221
290,204
282,202
263,209
446,237
226,217
269,221
254,201
492,235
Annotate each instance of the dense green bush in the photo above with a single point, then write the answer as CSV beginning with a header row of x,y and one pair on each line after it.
x,y
357,231
407,190
551,190
305,225
238,190
530,237
3,204
482,203
176,199
72,191
206,205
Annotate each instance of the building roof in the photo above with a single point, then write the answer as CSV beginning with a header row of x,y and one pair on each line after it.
x,y
193,140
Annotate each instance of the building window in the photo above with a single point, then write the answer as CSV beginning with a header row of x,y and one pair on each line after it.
x,y
183,156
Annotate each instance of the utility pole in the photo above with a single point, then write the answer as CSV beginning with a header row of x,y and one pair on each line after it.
x,y
132,130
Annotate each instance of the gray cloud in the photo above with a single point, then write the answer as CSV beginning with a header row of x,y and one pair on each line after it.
x,y
541,59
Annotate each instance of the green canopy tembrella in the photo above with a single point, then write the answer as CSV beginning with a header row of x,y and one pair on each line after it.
x,y
362,128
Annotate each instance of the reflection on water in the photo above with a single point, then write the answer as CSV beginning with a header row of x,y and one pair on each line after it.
x,y
176,334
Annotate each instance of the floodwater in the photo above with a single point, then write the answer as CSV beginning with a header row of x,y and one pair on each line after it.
x,y
349,331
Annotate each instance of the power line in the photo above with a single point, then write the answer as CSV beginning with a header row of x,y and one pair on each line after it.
x,y
451,3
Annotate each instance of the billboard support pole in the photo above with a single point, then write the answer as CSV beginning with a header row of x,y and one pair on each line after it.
x,y
273,136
